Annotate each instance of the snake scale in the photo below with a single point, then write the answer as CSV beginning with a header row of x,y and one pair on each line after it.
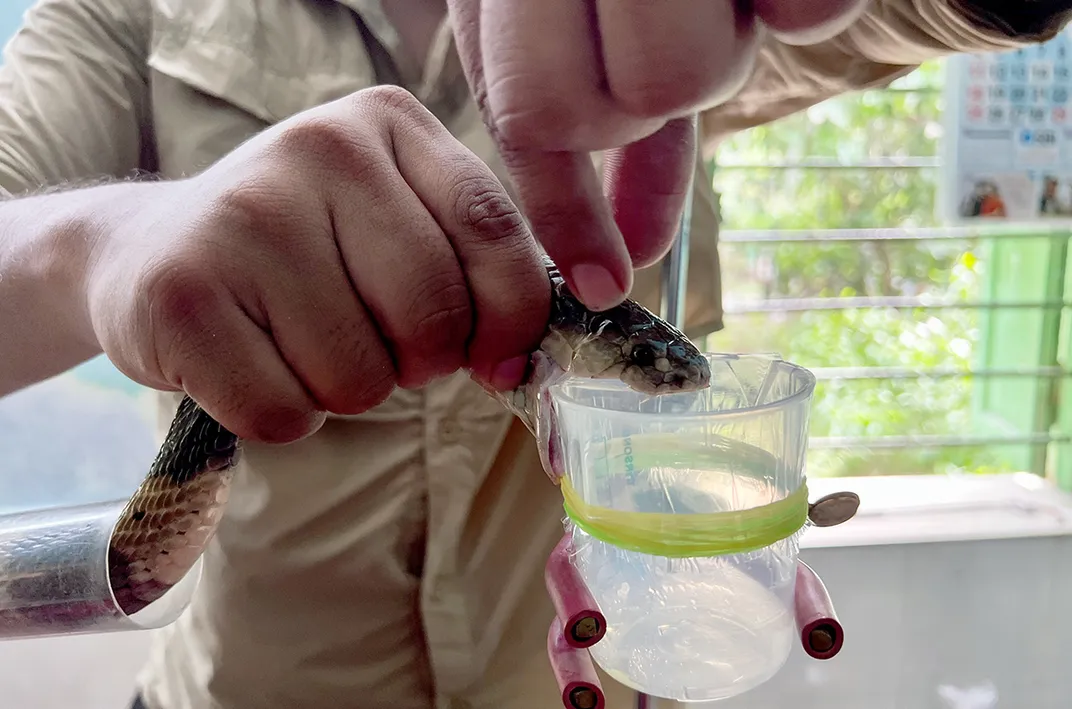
x,y
174,513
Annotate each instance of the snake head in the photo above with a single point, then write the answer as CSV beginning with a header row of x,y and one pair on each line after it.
x,y
627,342
658,366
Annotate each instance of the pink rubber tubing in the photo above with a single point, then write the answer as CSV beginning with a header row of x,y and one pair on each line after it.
x,y
821,633
582,622
574,671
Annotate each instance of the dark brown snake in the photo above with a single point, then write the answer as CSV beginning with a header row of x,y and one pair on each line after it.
x,y
173,515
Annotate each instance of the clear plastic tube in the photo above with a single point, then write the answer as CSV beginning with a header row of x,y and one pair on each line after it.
x,y
54,576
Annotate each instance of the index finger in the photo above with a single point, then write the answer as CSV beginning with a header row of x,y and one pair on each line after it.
x,y
646,183
559,192
564,203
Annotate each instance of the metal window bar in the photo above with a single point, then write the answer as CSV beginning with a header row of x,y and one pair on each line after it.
x,y
835,374
891,373
817,163
834,236
790,305
1057,229
931,441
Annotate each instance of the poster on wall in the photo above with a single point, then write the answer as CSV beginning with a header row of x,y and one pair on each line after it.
x,y
1008,135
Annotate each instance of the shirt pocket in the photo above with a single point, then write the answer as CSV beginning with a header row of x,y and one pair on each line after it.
x,y
270,58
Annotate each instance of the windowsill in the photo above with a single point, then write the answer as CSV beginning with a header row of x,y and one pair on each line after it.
x,y
924,508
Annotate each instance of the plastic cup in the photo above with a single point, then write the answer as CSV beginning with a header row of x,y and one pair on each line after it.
x,y
54,576
695,610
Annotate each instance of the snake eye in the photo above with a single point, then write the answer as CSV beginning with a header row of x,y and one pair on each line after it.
x,y
643,355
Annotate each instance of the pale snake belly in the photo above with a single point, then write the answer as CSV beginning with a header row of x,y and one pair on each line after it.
x,y
174,513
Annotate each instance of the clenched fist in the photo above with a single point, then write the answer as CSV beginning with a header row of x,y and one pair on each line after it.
x,y
355,247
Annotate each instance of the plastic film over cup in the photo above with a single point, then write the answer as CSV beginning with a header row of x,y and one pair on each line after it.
x,y
685,512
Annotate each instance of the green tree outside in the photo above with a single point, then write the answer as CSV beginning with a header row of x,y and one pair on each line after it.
x,y
903,121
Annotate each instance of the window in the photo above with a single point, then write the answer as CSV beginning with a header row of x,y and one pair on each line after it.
x,y
938,350
84,436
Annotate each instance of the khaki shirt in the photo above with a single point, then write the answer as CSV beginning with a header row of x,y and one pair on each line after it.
x,y
394,559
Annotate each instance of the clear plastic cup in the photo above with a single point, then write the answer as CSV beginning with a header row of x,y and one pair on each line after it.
x,y
690,627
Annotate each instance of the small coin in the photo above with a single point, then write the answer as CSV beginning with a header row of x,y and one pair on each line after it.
x,y
833,509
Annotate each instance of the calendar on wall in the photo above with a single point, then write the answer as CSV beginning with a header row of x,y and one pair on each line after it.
x,y
1008,135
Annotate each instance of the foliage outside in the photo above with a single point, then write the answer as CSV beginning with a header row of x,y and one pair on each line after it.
x,y
903,121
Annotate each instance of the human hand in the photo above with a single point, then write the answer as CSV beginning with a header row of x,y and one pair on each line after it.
x,y
557,79
355,247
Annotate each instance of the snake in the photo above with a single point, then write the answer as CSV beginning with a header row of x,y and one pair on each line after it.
x,y
172,516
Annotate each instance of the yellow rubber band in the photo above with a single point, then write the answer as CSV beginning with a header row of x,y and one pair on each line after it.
x,y
690,534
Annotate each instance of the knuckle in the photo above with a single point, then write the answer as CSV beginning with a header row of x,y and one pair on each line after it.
x,y
513,316
261,220
253,206
374,387
179,294
542,121
316,136
437,327
363,372
181,300
568,210
527,127
397,116
439,317
329,145
482,206
278,422
714,75
390,99
647,96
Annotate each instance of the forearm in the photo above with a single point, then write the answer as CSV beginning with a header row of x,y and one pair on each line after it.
x,y
47,245
74,101
890,39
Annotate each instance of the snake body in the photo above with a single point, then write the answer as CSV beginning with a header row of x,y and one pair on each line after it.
x,y
172,516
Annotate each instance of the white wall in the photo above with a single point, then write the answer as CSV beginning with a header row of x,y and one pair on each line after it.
x,y
83,672
923,620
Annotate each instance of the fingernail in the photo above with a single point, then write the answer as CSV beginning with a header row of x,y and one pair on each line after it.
x,y
596,287
508,375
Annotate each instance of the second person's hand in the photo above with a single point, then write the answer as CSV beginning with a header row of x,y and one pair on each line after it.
x,y
556,79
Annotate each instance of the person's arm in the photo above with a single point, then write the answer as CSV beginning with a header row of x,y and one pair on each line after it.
x,y
890,39
73,104
46,245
